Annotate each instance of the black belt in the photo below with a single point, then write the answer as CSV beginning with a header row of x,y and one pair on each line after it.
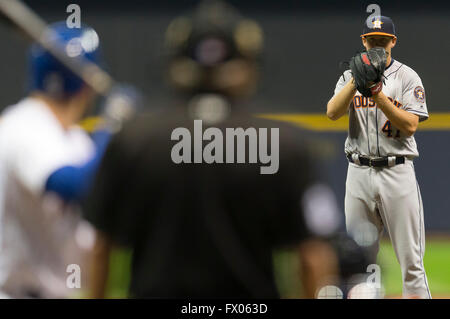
x,y
376,162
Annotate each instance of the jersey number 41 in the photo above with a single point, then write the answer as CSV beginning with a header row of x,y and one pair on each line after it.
x,y
387,129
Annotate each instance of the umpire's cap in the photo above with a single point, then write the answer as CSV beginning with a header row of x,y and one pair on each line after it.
x,y
47,74
379,25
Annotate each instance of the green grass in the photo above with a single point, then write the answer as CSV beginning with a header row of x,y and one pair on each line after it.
x,y
119,273
436,261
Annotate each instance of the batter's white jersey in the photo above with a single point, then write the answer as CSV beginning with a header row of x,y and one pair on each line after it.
x,y
39,234
370,132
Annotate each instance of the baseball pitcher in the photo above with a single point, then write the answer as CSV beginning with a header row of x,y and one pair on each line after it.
x,y
385,101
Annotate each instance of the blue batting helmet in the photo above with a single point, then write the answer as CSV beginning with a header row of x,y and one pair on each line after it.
x,y
49,75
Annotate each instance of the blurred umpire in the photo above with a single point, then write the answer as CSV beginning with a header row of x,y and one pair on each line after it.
x,y
204,228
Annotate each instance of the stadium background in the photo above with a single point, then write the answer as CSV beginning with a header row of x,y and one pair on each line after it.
x,y
304,43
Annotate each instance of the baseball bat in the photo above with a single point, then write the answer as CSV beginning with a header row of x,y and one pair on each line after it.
x,y
18,14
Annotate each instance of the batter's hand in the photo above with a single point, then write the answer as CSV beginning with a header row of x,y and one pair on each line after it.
x,y
121,104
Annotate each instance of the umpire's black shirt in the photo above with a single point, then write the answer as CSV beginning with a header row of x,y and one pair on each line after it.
x,y
199,230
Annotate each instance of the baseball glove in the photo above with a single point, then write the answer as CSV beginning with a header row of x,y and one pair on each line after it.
x,y
367,69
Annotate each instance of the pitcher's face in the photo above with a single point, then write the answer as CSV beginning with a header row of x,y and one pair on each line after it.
x,y
373,41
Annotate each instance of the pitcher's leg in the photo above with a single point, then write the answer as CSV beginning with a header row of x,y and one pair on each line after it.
x,y
360,208
402,212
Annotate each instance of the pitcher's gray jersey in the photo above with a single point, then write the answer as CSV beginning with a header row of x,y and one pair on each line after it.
x,y
370,132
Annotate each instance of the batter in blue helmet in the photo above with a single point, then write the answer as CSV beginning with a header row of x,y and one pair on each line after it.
x,y
46,162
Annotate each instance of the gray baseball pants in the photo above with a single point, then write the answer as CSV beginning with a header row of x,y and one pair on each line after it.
x,y
390,199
